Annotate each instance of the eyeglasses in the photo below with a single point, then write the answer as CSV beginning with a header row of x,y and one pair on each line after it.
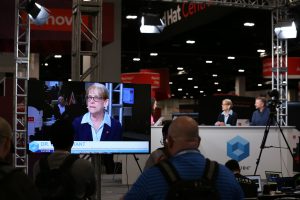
x,y
95,98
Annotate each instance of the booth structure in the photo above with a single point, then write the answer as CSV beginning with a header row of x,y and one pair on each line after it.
x,y
241,143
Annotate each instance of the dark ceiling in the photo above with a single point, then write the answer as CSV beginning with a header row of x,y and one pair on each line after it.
x,y
218,33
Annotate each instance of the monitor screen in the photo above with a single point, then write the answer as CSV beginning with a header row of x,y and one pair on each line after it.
x,y
257,180
103,122
272,176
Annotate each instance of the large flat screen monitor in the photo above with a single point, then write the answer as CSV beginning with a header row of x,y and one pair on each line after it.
x,y
125,127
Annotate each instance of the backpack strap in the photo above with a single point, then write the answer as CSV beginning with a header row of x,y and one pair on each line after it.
x,y
68,162
210,171
169,171
43,163
171,174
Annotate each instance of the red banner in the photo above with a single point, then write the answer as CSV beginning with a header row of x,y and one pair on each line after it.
x,y
293,67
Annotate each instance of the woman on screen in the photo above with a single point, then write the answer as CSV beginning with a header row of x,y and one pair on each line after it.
x,y
96,124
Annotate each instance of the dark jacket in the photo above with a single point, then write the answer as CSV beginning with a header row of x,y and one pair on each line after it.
x,y
83,132
232,119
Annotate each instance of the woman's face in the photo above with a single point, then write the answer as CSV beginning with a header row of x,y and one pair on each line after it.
x,y
225,106
95,102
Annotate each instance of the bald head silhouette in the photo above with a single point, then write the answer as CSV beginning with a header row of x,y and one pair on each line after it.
x,y
183,134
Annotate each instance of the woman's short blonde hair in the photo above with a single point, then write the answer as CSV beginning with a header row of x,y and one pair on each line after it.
x,y
228,102
100,88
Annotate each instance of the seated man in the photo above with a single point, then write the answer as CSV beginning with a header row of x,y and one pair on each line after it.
x,y
14,183
82,172
248,186
183,143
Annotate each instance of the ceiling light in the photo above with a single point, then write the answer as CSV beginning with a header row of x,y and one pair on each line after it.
x,y
195,86
170,83
216,83
172,95
179,68
131,17
181,72
136,59
186,93
283,82
191,97
37,13
190,41
179,89
230,57
69,79
151,23
184,97
215,75
219,90
57,56
285,30
190,79
259,85
46,64
153,54
249,24
209,61
241,70
261,50
201,91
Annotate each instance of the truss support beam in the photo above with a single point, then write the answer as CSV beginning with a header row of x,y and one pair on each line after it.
x,y
87,39
21,75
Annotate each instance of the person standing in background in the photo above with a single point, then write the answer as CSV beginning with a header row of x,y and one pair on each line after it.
x,y
153,107
261,115
227,117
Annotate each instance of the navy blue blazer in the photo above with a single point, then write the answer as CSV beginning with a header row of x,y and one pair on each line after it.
x,y
83,132
232,119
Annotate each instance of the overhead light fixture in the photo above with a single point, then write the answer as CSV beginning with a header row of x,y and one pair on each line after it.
x,y
179,68
190,41
215,75
170,83
209,61
190,79
136,59
69,79
230,57
37,13
151,23
131,17
46,64
184,97
219,90
196,86
179,89
261,51
216,83
153,54
186,93
201,91
57,56
172,95
259,85
241,70
249,24
285,30
191,97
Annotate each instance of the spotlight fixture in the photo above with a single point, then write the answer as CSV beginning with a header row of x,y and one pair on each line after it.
x,y
285,30
151,23
37,13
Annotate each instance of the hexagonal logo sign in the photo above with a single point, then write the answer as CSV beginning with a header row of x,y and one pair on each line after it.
x,y
238,148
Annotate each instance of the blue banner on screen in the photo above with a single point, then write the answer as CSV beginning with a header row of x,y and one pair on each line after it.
x,y
106,117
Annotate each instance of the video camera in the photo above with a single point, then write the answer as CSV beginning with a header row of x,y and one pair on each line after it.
x,y
274,102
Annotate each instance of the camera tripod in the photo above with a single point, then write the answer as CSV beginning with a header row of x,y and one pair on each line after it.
x,y
262,146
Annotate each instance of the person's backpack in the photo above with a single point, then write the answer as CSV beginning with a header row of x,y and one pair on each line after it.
x,y
203,188
56,184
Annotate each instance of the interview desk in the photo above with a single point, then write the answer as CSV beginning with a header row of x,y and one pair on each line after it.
x,y
224,143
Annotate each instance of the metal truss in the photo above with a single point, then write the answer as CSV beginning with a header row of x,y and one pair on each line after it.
x,y
116,108
280,68
87,38
21,75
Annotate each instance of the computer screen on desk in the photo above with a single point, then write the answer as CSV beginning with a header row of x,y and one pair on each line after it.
x,y
257,180
272,176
